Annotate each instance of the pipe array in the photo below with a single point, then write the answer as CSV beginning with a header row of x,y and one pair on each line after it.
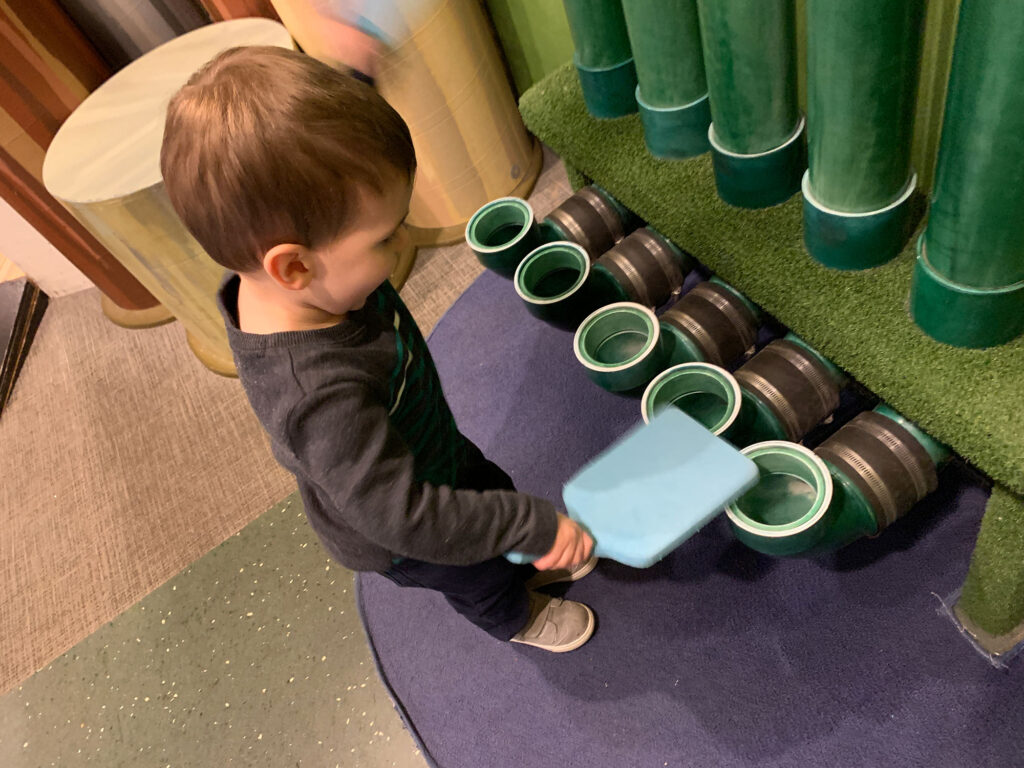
x,y
859,481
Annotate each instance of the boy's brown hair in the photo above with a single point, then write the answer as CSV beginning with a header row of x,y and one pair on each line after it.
x,y
266,145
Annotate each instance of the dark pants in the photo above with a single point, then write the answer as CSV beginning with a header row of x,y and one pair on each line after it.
x,y
490,594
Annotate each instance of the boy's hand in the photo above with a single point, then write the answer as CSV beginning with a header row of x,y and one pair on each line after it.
x,y
572,546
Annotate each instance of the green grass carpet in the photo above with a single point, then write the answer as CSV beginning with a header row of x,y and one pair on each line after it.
x,y
970,399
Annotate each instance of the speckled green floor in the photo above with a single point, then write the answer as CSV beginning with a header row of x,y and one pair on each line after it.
x,y
254,655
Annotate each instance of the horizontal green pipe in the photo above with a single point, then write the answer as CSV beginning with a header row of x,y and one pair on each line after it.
x,y
598,30
974,230
665,39
862,66
750,62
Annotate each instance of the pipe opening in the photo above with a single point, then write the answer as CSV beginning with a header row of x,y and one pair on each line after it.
x,y
552,272
706,393
793,492
617,337
500,223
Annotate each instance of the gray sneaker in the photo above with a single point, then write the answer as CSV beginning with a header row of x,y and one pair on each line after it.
x,y
556,625
544,578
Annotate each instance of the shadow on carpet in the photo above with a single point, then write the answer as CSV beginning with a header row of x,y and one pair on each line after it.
x,y
717,655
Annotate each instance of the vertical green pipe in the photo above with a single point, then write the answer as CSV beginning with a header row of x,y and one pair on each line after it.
x,y
756,133
862,63
672,94
665,38
750,59
968,287
603,56
862,66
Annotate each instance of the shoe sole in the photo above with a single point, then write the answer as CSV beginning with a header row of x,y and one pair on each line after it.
x,y
587,634
538,582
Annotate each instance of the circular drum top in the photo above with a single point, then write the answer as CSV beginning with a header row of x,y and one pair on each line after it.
x,y
110,145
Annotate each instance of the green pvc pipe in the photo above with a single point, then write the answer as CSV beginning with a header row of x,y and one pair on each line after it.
x,y
750,62
974,228
554,283
598,30
603,59
665,39
862,67
620,347
806,502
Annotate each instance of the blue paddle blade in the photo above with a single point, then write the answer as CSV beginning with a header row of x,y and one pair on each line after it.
x,y
654,488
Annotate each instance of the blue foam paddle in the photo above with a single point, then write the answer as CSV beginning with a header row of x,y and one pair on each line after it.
x,y
654,488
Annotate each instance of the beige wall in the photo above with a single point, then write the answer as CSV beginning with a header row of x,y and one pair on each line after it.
x,y
21,244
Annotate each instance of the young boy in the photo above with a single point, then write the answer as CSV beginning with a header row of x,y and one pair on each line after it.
x,y
297,177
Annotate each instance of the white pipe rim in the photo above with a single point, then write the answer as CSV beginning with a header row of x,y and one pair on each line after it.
x,y
487,207
654,336
743,522
805,187
716,145
537,253
716,369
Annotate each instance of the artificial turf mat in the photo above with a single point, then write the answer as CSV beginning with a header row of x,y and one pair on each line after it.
x,y
969,399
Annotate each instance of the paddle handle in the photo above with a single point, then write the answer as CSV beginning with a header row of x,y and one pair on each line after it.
x,y
519,558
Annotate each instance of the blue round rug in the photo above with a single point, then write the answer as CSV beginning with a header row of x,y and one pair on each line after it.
x,y
717,655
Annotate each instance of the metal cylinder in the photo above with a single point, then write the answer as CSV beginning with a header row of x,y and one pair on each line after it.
x,y
889,467
793,383
648,267
968,287
592,218
718,320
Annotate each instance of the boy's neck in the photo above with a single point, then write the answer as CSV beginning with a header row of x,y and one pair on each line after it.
x,y
261,310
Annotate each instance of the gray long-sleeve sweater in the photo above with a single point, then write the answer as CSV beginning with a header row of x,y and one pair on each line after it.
x,y
356,413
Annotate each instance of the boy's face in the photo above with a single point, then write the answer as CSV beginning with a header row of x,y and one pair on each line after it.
x,y
351,267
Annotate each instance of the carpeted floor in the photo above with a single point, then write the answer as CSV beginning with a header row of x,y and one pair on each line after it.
x,y
715,656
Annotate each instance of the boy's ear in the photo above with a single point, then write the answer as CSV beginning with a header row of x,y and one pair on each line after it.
x,y
289,266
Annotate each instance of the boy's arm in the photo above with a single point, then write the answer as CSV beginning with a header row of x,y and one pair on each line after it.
x,y
343,436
